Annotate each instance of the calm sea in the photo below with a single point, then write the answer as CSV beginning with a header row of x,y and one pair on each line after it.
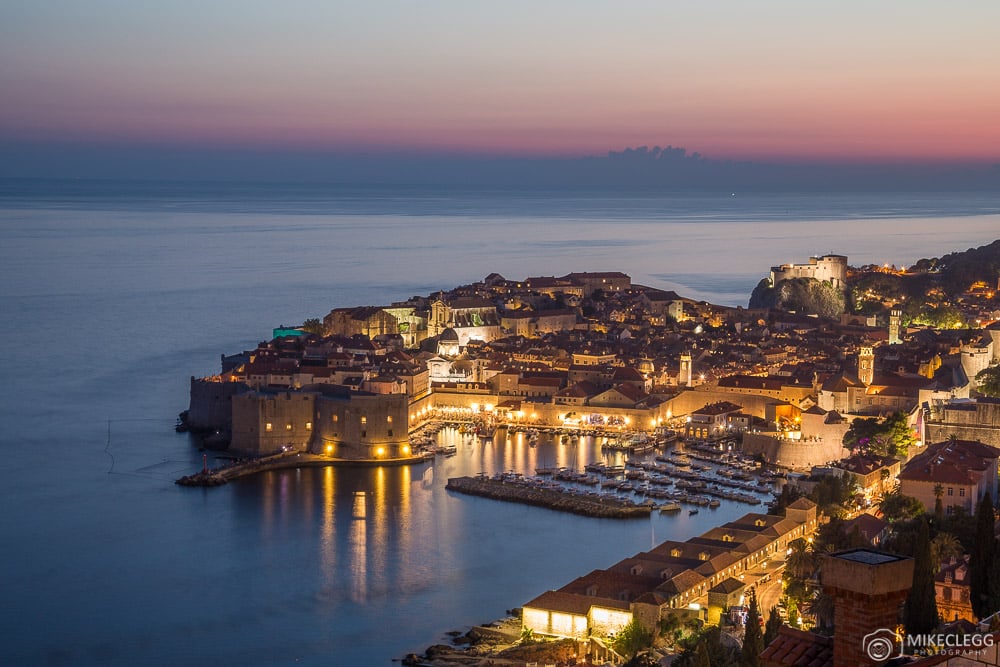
x,y
113,294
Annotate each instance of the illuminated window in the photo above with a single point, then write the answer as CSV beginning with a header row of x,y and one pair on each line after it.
x,y
268,426
288,426
364,420
309,426
336,418
388,419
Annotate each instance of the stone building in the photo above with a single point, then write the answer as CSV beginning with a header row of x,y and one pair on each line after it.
x,y
965,420
951,590
827,268
669,578
361,426
266,422
963,471
324,419
368,321
470,317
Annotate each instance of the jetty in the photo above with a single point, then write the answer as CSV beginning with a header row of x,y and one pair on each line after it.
x,y
286,461
511,490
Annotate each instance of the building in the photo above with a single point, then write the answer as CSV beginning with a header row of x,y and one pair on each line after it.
x,y
874,475
712,420
951,590
607,281
827,268
472,318
673,577
977,419
324,419
959,472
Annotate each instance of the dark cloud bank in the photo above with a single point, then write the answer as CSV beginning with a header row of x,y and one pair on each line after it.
x,y
650,169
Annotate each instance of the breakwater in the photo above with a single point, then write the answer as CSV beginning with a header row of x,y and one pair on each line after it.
x,y
498,489
284,461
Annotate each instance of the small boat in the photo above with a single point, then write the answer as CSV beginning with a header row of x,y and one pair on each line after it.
x,y
714,503
670,507
692,511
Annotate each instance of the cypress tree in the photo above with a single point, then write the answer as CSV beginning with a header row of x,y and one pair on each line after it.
x,y
920,614
981,559
753,639
994,576
772,627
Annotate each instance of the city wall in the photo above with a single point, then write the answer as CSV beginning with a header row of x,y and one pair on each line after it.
x,y
795,454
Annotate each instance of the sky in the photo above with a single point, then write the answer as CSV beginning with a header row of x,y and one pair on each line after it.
x,y
787,81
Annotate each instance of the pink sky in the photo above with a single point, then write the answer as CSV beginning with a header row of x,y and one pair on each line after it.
x,y
788,80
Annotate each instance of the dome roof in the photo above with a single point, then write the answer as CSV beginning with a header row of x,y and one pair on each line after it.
x,y
448,336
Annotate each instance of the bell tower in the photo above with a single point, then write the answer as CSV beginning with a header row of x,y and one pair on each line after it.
x,y
895,325
866,365
684,376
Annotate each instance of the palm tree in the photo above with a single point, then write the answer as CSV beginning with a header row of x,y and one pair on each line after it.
x,y
938,494
944,546
802,561
821,607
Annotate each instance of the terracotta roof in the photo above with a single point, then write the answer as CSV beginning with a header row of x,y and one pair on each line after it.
x,y
802,504
796,648
727,586
954,461
868,525
720,408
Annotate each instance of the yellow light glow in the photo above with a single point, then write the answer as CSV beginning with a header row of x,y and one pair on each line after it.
x,y
406,449
380,451
329,449
475,407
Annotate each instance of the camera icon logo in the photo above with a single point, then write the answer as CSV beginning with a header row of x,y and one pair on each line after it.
x,y
879,645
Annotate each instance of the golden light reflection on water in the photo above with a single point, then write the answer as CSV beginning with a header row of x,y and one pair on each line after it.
x,y
359,548
328,533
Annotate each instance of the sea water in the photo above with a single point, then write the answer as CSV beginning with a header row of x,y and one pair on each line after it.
x,y
113,294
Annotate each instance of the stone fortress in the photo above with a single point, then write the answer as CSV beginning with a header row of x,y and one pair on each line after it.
x,y
827,268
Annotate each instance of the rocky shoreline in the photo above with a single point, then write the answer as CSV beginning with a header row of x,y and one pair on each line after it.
x,y
498,643
605,508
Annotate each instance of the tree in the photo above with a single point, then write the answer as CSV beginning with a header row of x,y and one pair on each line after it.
x,y
788,496
981,559
920,614
801,562
897,507
835,494
313,326
938,494
944,546
822,608
631,639
889,437
988,381
707,649
772,627
753,638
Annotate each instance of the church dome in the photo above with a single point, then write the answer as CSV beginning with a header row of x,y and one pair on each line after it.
x,y
448,336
